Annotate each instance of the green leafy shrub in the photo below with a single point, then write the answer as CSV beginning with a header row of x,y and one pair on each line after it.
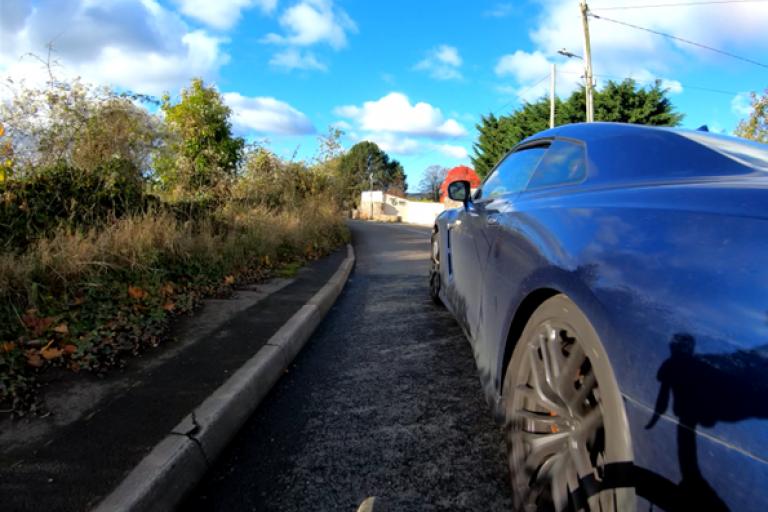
x,y
64,197
268,181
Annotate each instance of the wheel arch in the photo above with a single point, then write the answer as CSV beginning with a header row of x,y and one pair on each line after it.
x,y
523,313
543,286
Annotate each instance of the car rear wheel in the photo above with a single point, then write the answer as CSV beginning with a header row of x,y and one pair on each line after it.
x,y
434,272
566,427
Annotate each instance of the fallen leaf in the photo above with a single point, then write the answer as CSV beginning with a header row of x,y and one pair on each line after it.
x,y
169,306
136,293
167,289
61,329
34,359
51,353
229,280
70,349
8,346
37,325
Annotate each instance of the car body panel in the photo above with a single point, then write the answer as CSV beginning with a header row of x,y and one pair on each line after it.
x,y
666,263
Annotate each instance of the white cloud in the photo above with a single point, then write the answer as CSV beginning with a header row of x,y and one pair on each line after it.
x,y
741,104
402,128
448,55
399,145
342,125
266,115
523,66
314,21
222,14
501,10
394,113
135,45
293,58
394,143
458,152
442,63
672,86
620,51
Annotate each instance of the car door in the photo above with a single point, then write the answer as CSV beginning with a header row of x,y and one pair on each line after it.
x,y
475,228
516,239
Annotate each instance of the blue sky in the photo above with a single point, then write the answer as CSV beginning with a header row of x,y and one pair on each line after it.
x,y
413,76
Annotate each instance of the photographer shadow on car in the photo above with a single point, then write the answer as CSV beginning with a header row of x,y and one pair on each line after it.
x,y
706,389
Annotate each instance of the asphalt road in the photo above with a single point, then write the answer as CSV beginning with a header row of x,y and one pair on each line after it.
x,y
383,401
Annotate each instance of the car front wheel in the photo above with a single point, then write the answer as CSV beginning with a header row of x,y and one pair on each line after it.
x,y
566,427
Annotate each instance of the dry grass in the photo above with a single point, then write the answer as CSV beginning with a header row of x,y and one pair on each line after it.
x,y
82,300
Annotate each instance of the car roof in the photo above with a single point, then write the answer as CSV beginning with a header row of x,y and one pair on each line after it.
x,y
623,151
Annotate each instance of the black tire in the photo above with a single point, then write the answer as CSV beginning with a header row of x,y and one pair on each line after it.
x,y
434,270
566,427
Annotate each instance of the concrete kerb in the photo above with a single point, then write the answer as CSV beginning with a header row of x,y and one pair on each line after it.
x,y
162,479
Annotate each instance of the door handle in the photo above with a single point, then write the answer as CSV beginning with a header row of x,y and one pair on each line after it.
x,y
492,220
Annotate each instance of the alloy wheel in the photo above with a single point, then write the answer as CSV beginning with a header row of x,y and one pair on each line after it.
x,y
562,429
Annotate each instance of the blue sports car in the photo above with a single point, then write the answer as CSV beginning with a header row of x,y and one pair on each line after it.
x,y
611,279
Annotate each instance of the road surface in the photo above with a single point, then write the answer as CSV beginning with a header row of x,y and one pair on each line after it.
x,y
383,401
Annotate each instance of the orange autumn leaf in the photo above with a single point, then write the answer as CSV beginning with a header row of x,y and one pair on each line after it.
x,y
136,293
51,353
167,289
70,349
169,306
8,346
61,329
229,280
34,359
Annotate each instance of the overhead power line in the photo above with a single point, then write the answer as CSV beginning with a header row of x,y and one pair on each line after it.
x,y
520,93
676,38
653,79
678,4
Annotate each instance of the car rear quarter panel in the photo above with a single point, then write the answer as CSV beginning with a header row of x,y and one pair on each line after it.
x,y
673,278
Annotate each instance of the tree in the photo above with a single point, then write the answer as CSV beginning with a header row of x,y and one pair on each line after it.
x,y
755,127
117,129
75,124
622,102
434,175
201,155
364,158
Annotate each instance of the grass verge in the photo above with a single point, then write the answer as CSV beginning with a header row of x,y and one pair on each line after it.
x,y
87,300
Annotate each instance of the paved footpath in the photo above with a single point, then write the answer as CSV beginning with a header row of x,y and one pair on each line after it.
x,y
383,401
99,429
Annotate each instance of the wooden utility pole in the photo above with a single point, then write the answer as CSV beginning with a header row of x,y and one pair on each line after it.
x,y
552,97
587,61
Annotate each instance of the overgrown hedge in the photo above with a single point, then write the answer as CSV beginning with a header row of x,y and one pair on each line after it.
x,y
63,196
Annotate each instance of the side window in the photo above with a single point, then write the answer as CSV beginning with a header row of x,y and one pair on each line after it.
x,y
564,163
512,173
